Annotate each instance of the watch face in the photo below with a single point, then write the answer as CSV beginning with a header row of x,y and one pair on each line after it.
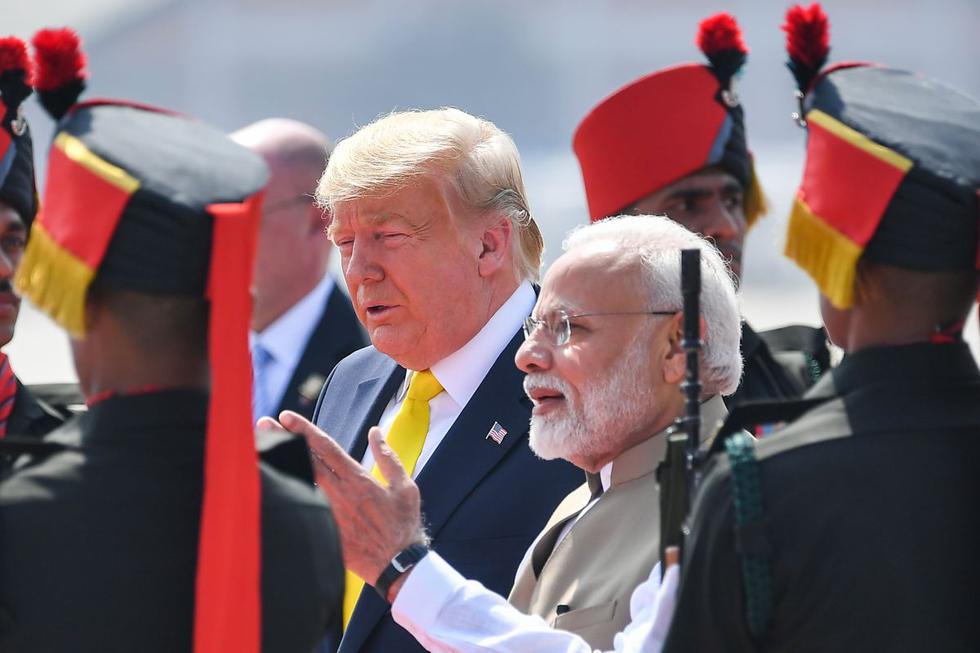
x,y
401,563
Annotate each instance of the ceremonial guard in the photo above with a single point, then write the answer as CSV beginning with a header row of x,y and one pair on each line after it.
x,y
150,525
23,411
673,142
855,528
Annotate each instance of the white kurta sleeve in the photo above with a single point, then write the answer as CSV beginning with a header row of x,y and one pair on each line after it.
x,y
651,609
448,614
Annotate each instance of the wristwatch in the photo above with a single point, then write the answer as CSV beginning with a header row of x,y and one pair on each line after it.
x,y
405,560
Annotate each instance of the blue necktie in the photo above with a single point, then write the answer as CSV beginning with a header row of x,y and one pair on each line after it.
x,y
261,358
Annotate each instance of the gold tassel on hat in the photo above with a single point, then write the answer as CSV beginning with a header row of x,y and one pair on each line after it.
x,y
829,257
54,280
755,203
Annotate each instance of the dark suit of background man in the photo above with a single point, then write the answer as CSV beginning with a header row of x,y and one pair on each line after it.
x,y
439,252
855,528
21,412
154,528
708,183
301,324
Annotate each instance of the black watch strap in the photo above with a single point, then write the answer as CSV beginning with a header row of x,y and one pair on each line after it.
x,y
405,560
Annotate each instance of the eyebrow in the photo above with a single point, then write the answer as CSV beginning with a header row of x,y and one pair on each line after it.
x,y
554,310
697,193
689,194
378,219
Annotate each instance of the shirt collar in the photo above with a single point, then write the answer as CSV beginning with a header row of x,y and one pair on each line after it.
x,y
605,475
462,372
295,325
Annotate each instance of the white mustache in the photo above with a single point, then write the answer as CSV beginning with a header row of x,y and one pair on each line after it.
x,y
544,381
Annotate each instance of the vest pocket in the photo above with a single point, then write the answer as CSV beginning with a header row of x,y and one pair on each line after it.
x,y
584,617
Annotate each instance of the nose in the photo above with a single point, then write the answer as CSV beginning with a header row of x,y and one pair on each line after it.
x,y
8,265
534,354
361,265
722,223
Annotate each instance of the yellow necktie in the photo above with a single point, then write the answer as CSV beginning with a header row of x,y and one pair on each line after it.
x,y
406,437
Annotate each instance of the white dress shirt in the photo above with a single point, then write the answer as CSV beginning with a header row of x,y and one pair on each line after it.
x,y
461,373
448,614
286,338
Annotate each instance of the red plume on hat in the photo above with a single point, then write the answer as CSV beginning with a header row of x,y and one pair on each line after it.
x,y
720,39
14,59
15,77
807,42
60,73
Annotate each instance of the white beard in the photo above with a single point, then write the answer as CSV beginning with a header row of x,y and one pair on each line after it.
x,y
612,406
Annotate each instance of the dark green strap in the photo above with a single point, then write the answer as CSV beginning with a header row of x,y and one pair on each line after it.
x,y
751,540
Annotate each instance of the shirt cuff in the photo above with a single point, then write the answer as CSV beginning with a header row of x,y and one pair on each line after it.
x,y
429,586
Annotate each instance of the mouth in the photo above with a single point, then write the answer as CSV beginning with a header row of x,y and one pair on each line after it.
x,y
378,311
9,303
545,400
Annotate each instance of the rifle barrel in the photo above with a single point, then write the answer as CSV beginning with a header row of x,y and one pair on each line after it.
x,y
691,291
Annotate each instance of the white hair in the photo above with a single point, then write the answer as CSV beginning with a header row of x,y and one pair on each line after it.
x,y
479,159
657,240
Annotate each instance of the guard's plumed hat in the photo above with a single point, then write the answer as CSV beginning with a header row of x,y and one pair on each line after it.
x,y
892,166
670,124
17,187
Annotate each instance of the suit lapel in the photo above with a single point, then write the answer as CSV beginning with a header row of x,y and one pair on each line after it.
x,y
500,399
367,405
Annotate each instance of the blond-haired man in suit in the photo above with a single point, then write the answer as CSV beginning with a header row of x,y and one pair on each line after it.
x,y
604,364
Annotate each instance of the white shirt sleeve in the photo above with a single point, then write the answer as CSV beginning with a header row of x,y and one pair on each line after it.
x,y
448,614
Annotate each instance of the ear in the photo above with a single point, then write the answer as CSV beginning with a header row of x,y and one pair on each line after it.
x,y
675,362
495,243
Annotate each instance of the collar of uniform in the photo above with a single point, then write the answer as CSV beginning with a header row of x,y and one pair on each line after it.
x,y
920,365
713,414
750,341
284,337
147,417
462,372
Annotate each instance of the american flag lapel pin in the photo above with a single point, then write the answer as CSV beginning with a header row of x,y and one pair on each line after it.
x,y
496,433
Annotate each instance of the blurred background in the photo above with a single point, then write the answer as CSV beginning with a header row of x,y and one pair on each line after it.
x,y
534,68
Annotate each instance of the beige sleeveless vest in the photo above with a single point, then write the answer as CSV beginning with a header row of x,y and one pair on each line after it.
x,y
586,582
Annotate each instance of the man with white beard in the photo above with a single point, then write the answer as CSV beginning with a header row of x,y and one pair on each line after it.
x,y
603,371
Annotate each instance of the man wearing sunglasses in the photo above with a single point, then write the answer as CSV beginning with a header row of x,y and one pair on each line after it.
x,y
604,365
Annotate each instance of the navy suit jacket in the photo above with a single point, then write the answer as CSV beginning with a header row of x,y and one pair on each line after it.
x,y
483,503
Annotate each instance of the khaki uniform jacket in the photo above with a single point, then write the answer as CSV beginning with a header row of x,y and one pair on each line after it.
x,y
585,584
